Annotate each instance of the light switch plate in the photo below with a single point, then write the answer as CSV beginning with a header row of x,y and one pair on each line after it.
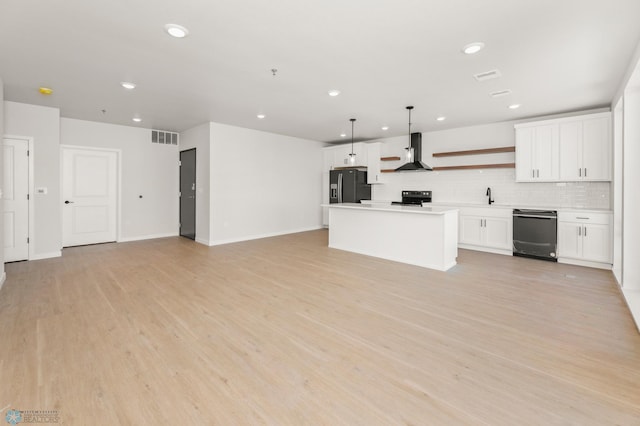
x,y
42,190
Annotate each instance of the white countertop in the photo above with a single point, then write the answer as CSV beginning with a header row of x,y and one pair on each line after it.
x,y
505,206
431,210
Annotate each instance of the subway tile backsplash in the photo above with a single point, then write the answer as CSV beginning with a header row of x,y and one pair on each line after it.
x,y
470,186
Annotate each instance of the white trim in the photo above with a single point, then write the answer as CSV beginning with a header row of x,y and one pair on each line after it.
x,y
3,278
32,192
118,153
147,237
504,252
47,255
259,236
202,241
632,297
586,263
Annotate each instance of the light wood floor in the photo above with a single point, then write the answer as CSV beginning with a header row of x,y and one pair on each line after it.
x,y
287,331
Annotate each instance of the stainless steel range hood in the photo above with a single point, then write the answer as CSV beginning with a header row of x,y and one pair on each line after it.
x,y
416,165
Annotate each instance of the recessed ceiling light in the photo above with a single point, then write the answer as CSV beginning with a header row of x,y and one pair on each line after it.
x,y
177,31
261,116
472,48
334,92
137,119
514,106
343,135
385,127
128,85
45,90
441,118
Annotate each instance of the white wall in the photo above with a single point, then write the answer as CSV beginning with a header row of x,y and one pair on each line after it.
x,y
263,184
199,138
147,169
471,185
618,132
2,273
631,177
43,125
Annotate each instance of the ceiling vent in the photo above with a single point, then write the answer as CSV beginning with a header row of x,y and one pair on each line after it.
x,y
487,75
162,137
500,93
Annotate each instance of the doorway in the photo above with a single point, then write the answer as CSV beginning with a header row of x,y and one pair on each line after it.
x,y
188,193
15,194
89,196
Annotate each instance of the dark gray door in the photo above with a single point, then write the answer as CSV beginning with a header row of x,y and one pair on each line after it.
x,y
188,193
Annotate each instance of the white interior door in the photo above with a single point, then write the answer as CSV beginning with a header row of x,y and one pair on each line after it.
x,y
16,200
89,196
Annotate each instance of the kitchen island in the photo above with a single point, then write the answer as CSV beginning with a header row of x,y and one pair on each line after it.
x,y
422,236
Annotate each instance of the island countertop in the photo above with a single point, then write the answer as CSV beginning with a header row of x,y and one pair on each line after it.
x,y
422,236
430,210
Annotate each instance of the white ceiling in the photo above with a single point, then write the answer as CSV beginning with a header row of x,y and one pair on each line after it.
x,y
555,56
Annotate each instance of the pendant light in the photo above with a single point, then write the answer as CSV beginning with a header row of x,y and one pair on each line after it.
x,y
408,149
352,156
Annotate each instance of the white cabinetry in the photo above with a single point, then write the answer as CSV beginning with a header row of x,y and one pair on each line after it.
x,y
585,148
537,158
486,229
374,173
584,238
565,149
341,155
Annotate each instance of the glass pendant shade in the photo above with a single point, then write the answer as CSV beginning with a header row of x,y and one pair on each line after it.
x,y
352,156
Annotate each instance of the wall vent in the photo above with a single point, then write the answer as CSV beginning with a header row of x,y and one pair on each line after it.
x,y
500,93
487,75
162,137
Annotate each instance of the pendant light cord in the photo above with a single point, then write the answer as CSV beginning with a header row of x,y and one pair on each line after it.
x,y
353,120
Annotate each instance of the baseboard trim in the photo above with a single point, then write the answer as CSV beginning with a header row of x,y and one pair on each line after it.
x,y
486,249
260,236
202,241
586,263
3,278
41,256
147,237
632,298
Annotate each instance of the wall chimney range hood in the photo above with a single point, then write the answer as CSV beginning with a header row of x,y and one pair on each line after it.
x,y
414,152
416,165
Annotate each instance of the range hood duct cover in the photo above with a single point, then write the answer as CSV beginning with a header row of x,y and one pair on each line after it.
x,y
416,165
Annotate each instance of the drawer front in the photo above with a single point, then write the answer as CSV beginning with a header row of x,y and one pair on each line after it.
x,y
577,217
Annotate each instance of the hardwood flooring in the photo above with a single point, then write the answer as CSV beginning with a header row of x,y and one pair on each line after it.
x,y
286,331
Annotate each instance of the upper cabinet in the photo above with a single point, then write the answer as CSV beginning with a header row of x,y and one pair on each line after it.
x,y
565,149
338,156
537,153
585,148
374,168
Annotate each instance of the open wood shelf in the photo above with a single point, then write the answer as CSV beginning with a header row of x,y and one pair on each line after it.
x,y
477,166
475,151
390,159
474,166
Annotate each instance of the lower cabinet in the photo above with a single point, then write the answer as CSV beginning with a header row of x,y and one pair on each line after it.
x,y
585,238
486,228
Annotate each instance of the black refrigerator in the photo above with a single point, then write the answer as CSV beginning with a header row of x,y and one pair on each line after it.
x,y
348,186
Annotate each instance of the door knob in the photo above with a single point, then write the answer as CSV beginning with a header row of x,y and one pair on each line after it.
x,y
68,202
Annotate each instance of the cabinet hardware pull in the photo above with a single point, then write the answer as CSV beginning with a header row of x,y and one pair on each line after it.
x,y
585,172
580,172
579,231
580,217
538,173
585,231
533,173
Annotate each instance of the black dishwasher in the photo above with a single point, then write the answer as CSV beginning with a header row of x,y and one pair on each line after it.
x,y
535,233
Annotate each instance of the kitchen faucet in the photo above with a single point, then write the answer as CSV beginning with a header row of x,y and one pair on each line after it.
x,y
489,195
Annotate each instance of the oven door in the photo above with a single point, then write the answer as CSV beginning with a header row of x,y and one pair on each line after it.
x,y
535,233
